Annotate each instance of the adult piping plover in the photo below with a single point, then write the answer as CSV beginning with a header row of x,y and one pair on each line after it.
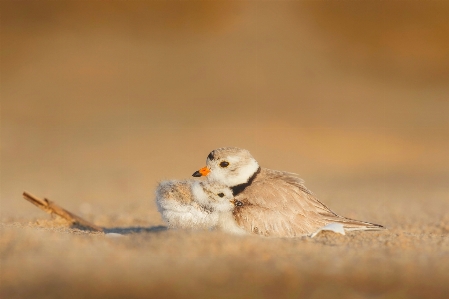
x,y
197,205
270,202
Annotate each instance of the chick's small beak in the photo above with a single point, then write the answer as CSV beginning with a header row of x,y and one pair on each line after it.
x,y
202,172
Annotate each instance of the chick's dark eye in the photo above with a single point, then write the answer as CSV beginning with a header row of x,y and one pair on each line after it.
x,y
224,164
220,194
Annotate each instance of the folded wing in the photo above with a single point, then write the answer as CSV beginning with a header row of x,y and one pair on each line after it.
x,y
278,204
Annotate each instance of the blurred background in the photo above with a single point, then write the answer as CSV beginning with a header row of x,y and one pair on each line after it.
x,y
100,100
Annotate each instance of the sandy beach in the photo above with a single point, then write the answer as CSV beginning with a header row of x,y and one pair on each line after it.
x,y
100,101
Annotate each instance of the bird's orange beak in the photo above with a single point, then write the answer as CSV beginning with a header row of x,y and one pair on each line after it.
x,y
202,172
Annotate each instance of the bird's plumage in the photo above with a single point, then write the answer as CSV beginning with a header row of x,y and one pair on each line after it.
x,y
277,203
191,204
270,202
178,208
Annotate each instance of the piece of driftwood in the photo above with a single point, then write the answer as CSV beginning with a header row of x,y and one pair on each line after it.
x,y
52,208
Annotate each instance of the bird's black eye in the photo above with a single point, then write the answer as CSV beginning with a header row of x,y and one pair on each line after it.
x,y
238,203
220,194
211,156
224,164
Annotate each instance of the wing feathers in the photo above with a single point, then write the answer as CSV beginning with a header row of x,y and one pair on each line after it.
x,y
278,204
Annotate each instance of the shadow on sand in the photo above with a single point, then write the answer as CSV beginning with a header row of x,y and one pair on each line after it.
x,y
122,230
135,230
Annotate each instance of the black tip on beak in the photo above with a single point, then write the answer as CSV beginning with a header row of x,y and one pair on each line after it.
x,y
197,174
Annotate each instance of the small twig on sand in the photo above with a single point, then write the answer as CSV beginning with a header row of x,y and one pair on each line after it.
x,y
52,208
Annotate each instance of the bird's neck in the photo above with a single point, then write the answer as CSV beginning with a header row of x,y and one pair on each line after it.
x,y
240,187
